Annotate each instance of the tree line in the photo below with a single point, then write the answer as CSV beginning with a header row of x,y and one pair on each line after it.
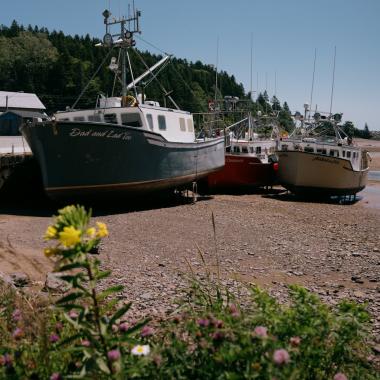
x,y
57,67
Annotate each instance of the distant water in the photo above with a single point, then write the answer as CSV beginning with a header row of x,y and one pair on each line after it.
x,y
374,175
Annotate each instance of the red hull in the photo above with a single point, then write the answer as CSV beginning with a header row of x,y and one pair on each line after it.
x,y
242,172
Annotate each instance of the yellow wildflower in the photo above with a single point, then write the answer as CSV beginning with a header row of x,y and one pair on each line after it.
x,y
91,232
103,231
70,236
51,233
50,252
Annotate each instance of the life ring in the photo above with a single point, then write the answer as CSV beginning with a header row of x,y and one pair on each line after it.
x,y
129,101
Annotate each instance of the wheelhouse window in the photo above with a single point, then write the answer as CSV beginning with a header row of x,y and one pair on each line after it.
x,y
96,118
110,118
348,154
334,153
182,124
161,122
343,153
131,119
322,151
149,118
78,118
258,150
251,149
308,149
244,149
236,149
190,126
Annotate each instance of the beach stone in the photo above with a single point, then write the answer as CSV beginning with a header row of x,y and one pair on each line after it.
x,y
146,296
54,284
357,279
20,279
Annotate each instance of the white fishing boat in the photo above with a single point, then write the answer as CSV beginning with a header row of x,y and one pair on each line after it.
x,y
126,144
318,158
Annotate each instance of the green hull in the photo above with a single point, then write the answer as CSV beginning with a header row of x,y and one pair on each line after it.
x,y
97,159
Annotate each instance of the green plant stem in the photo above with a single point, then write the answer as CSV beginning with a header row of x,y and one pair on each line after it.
x,y
97,315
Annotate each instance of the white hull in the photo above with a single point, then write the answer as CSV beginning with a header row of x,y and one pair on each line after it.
x,y
303,172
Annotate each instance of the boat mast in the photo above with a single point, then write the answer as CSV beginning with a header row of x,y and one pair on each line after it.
x,y
312,82
333,82
124,40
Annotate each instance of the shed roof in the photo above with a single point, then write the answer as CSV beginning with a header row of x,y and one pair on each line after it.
x,y
20,100
24,114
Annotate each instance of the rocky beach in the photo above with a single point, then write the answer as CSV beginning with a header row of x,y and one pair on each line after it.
x,y
270,239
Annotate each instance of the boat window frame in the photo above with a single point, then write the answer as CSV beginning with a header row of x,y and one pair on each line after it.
x,y
190,125
78,118
244,149
136,124
236,149
182,124
161,119
107,117
149,119
94,118
348,154
258,150
308,149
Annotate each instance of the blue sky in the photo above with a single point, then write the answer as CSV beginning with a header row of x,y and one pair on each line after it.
x,y
285,35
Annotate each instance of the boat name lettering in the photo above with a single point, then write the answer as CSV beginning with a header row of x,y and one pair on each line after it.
x,y
111,134
324,159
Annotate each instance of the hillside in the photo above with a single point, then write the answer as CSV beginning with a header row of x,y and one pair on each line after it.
x,y
57,67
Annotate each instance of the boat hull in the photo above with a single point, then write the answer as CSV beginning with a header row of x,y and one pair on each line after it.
x,y
97,159
308,173
242,172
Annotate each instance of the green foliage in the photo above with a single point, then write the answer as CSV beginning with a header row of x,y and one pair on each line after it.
x,y
351,131
305,340
57,67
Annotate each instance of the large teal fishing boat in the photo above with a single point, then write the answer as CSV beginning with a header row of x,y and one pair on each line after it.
x,y
126,144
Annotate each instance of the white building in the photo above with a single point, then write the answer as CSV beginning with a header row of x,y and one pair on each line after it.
x,y
21,101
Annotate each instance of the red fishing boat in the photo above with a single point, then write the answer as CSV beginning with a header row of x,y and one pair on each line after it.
x,y
250,160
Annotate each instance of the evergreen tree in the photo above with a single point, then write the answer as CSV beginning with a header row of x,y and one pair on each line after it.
x,y
286,108
276,105
349,128
366,132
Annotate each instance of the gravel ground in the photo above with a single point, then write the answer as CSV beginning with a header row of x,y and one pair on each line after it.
x,y
273,241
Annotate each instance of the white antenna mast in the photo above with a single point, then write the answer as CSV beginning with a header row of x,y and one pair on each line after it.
x,y
275,84
333,82
251,64
312,82
216,68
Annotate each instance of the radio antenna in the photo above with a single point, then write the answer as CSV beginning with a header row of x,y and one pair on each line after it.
x,y
312,82
251,65
216,69
333,82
